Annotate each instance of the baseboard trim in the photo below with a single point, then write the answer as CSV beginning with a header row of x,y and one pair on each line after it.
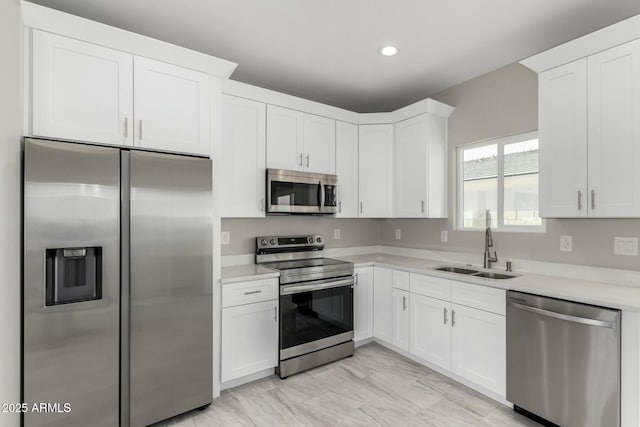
x,y
247,379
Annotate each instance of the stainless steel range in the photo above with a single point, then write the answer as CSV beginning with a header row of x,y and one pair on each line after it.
x,y
316,301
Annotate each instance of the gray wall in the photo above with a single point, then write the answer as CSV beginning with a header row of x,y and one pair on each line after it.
x,y
505,102
353,232
10,133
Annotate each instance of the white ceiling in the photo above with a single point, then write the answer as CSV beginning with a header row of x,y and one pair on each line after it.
x,y
326,50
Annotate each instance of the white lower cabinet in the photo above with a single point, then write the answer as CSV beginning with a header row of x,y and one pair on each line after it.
x,y
382,304
400,322
478,347
249,329
363,303
430,333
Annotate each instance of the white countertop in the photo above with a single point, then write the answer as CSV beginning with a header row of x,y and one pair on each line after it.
x,y
244,273
588,292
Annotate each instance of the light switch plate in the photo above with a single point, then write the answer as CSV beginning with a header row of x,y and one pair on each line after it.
x,y
398,234
443,236
225,237
625,246
566,243
336,234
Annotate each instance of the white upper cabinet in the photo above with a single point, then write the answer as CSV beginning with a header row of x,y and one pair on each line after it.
x,y
81,91
242,170
420,170
172,107
284,138
563,140
87,92
375,171
590,136
614,131
299,141
319,135
347,169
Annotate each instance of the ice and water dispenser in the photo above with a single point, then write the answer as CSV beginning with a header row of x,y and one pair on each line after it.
x,y
73,275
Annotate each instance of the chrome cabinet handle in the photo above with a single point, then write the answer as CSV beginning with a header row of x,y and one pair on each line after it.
x,y
453,318
593,199
140,131
126,127
445,315
579,200
252,292
360,207
300,161
422,206
404,303
307,160
275,314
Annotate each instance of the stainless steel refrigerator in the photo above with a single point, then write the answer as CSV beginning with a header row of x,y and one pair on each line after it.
x,y
117,285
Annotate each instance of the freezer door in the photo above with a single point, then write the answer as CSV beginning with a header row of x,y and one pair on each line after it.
x,y
71,284
171,286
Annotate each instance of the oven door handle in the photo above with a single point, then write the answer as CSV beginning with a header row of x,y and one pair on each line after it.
x,y
296,289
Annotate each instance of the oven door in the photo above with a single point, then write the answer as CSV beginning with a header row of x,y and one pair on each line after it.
x,y
315,315
301,192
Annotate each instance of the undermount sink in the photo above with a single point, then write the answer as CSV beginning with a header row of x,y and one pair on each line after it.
x,y
490,275
457,270
475,273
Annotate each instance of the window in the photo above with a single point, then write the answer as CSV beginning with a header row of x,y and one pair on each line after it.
x,y
500,176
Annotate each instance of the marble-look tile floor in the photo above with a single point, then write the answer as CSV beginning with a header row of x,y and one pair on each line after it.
x,y
375,387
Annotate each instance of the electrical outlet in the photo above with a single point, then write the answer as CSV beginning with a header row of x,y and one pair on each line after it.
x,y
566,243
336,233
443,236
225,237
398,234
625,246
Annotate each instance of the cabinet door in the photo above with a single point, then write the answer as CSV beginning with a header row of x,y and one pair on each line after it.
x,y
243,151
284,138
249,339
172,107
411,168
430,334
375,171
563,141
81,91
400,319
319,136
363,303
382,304
438,159
614,131
478,347
347,169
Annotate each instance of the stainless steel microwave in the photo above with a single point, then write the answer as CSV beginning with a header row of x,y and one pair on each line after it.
x,y
297,192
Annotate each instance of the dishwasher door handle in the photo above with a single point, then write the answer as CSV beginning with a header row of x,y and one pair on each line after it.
x,y
567,317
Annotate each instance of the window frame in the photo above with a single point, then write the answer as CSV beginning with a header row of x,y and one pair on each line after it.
x,y
500,143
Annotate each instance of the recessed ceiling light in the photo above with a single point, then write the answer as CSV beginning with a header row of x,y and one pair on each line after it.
x,y
388,50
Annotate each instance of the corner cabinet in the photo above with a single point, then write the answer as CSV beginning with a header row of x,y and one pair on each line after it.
x,y
375,171
85,92
420,170
242,172
363,303
590,136
300,141
383,304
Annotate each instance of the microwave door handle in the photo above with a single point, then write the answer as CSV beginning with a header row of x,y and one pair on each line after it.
x,y
322,195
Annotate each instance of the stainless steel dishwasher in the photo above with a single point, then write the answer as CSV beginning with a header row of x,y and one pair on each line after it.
x,y
563,361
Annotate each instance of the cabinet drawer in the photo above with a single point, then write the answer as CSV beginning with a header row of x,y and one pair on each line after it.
x,y
401,280
249,292
434,287
480,297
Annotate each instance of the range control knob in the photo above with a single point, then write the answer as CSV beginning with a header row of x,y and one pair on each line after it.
x,y
272,241
263,242
310,240
318,239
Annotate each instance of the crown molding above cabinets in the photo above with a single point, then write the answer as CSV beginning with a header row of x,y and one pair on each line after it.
x,y
590,44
